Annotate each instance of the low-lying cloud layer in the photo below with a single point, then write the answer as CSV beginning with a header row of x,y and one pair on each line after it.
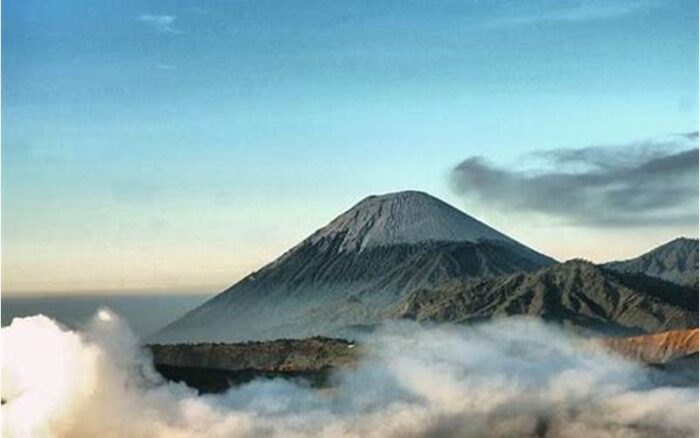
x,y
645,184
515,378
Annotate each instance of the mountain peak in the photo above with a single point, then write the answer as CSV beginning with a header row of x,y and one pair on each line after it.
x,y
675,261
396,196
405,217
355,270
678,241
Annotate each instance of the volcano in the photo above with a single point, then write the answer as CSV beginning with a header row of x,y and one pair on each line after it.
x,y
355,272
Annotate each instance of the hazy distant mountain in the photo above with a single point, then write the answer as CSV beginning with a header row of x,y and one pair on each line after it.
x,y
576,293
354,271
675,261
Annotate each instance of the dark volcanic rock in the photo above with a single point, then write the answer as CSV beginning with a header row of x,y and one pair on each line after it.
x,y
212,380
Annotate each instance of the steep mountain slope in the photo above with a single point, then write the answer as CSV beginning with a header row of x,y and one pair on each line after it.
x,y
354,271
576,293
675,261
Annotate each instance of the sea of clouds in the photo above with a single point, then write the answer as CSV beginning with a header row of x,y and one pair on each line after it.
x,y
513,378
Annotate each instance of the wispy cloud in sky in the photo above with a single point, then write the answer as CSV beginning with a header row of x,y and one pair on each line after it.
x,y
644,184
161,23
576,11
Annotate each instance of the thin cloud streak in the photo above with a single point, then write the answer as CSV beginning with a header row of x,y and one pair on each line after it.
x,y
578,12
161,23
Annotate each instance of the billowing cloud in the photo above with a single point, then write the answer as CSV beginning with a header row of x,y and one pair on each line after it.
x,y
501,379
161,23
653,183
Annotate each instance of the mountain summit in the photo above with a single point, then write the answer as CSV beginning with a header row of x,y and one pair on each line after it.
x,y
355,271
406,217
675,261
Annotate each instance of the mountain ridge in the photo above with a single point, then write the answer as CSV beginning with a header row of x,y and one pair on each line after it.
x,y
577,293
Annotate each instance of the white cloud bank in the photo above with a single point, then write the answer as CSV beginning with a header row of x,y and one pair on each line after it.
x,y
516,378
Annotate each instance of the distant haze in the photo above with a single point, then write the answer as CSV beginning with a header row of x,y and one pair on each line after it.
x,y
144,313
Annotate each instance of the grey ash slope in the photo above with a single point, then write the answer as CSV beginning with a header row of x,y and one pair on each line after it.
x,y
675,261
355,271
576,293
404,218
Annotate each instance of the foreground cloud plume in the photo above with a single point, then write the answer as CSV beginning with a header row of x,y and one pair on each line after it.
x,y
501,379
652,183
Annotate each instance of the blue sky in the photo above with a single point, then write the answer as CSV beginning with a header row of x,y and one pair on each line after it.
x,y
177,145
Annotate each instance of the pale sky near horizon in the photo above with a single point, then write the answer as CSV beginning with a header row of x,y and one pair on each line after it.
x,y
177,145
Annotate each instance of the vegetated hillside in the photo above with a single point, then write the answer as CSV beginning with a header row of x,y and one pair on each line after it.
x,y
354,271
675,261
312,354
576,293
214,367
